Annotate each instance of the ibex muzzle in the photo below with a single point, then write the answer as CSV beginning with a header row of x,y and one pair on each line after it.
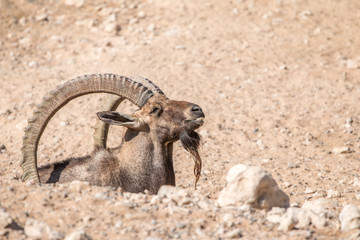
x,y
144,160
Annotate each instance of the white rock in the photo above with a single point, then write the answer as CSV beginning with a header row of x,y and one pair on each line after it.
x,y
152,238
181,47
318,220
248,185
333,193
87,23
36,229
206,204
2,149
22,21
78,235
155,200
133,21
5,219
305,14
321,205
260,144
76,3
287,184
151,27
294,217
283,67
301,218
21,125
57,38
111,27
41,17
101,195
112,18
351,64
177,195
316,212
236,233
350,218
60,19
25,42
274,215
32,64
309,191
118,223
293,165
141,14
341,150
349,120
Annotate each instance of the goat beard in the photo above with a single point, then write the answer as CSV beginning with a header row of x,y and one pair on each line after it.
x,y
190,140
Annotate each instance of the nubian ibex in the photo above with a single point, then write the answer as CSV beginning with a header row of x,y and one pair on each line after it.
x,y
144,159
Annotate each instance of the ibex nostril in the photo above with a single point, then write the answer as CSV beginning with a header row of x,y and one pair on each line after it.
x,y
197,111
196,108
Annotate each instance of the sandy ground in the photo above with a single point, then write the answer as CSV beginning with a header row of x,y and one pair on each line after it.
x,y
277,80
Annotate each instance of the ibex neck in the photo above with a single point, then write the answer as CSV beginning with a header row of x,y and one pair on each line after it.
x,y
153,160
162,166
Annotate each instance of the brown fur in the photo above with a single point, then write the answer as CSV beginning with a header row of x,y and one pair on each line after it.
x,y
144,159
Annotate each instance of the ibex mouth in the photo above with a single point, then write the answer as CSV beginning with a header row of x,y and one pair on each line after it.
x,y
199,121
194,123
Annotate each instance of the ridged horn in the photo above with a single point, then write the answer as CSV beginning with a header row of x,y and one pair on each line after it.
x,y
102,129
121,86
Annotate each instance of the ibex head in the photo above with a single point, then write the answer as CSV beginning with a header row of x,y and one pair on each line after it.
x,y
164,119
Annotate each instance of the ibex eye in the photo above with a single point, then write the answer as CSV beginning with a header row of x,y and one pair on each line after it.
x,y
155,110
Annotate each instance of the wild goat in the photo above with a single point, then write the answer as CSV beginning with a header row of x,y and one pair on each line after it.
x,y
144,158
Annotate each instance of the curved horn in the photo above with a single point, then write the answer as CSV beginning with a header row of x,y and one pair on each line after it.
x,y
136,92
102,129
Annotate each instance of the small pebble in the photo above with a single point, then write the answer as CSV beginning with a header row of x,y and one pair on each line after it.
x,y
78,235
152,238
309,191
236,233
293,165
32,64
37,229
76,3
41,17
260,144
151,28
341,150
351,64
2,148
333,193
5,219
141,14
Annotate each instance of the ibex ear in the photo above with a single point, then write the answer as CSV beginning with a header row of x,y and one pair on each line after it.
x,y
115,118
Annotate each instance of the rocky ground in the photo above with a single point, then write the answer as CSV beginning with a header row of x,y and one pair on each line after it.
x,y
277,80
